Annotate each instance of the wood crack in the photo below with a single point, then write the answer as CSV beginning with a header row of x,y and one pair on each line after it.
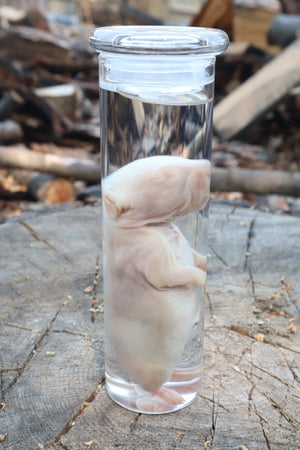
x,y
33,351
208,444
261,369
231,213
9,370
267,373
250,237
295,376
35,235
84,335
261,422
12,325
289,299
220,258
14,444
2,394
70,423
265,436
289,349
250,401
213,401
295,423
214,417
252,283
244,332
64,447
133,425
248,243
94,310
209,304
250,377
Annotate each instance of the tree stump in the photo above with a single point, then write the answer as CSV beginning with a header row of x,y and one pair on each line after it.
x,y
51,338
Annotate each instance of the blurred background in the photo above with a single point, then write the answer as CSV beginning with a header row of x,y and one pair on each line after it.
x,y
49,100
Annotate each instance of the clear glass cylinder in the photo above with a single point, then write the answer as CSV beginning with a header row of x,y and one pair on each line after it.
x,y
156,105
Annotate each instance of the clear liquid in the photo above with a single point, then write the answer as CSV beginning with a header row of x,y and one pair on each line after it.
x,y
132,129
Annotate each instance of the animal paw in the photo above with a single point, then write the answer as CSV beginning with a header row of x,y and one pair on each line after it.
x,y
163,400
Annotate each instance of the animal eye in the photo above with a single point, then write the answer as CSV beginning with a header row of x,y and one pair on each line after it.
x,y
166,175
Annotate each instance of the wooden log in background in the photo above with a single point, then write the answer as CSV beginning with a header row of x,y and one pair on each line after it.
x,y
45,187
20,157
24,43
256,95
223,179
256,181
216,14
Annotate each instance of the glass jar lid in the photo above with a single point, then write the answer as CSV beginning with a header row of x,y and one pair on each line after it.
x,y
162,40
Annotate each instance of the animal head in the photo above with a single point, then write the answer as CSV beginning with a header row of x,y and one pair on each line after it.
x,y
156,189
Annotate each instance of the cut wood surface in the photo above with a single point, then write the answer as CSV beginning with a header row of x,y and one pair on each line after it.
x,y
10,131
256,95
66,97
45,187
216,14
251,23
51,339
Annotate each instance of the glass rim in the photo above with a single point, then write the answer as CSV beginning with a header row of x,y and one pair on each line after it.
x,y
159,40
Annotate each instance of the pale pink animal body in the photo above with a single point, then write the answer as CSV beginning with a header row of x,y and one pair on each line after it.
x,y
150,270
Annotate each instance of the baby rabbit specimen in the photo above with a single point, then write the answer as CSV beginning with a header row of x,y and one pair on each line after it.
x,y
150,271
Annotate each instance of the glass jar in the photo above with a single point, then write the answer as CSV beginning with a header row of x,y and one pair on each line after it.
x,y
156,106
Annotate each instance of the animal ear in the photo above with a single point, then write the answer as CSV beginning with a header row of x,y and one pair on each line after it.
x,y
115,204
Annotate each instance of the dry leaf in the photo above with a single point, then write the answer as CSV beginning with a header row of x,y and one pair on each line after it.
x,y
260,337
88,289
286,287
292,328
179,433
88,444
275,313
